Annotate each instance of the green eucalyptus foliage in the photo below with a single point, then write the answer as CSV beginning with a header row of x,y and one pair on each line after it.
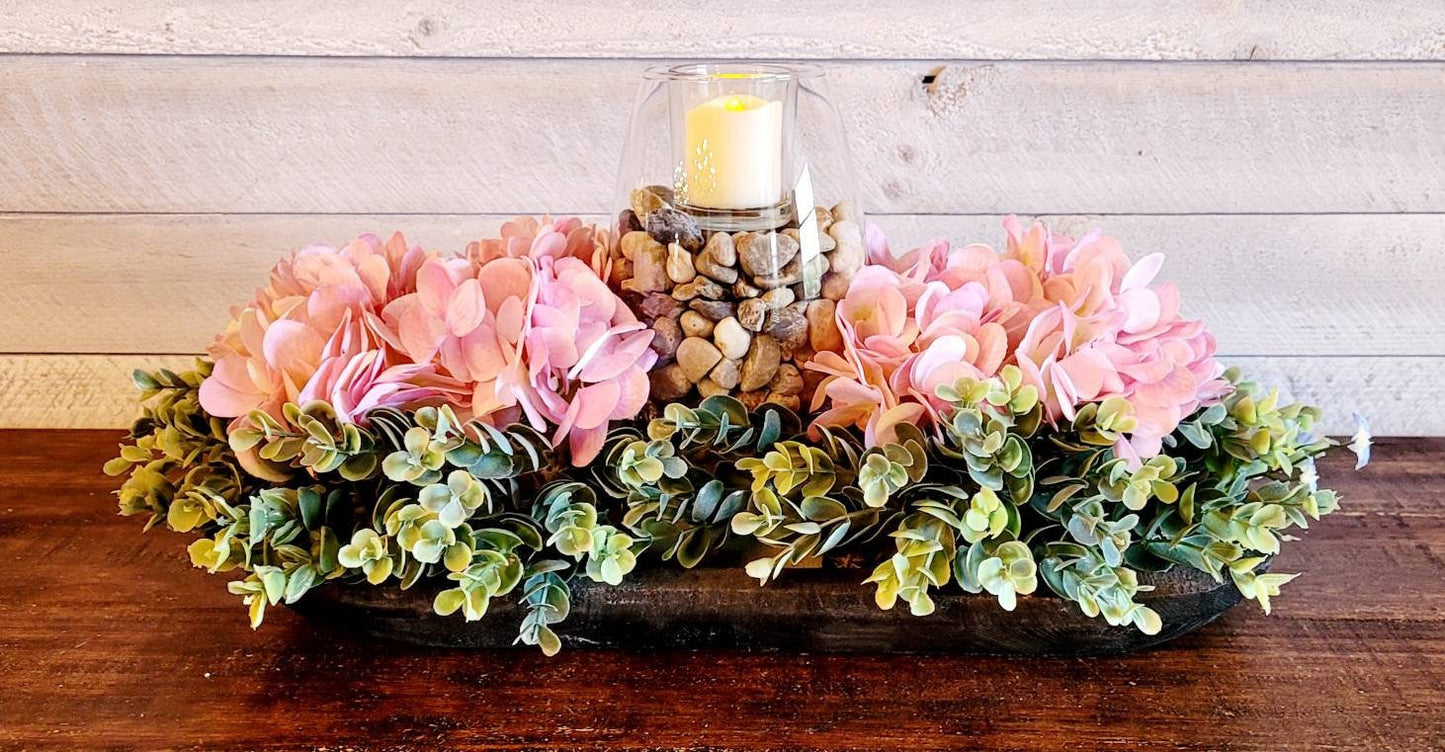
x,y
285,538
568,510
311,437
1005,569
988,429
679,483
888,469
1080,573
176,455
990,500
548,600
401,497
1231,480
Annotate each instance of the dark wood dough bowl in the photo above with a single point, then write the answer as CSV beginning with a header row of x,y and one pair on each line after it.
x,y
804,611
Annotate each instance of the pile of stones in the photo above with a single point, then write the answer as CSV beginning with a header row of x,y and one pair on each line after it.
x,y
735,313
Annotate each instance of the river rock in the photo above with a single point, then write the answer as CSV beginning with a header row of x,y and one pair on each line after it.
x,y
751,314
668,225
742,240
722,249
850,254
633,242
826,243
823,216
788,277
778,298
679,264
789,326
807,239
695,324
724,274
823,331
712,310
766,253
697,356
656,305
793,273
790,401
627,221
644,202
835,285
666,336
788,380
649,269
621,271
761,363
709,388
702,287
710,289
803,354
731,338
752,400
845,211
669,382
726,373
742,289
717,259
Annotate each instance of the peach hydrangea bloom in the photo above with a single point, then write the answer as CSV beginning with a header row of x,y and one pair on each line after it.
x,y
1079,318
318,310
896,351
586,357
518,327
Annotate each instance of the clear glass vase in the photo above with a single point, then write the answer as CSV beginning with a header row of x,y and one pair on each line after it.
x,y
737,226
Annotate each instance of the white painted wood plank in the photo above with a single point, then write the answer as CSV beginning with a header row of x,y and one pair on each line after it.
x,y
979,29
1275,285
1287,285
164,283
160,134
1399,395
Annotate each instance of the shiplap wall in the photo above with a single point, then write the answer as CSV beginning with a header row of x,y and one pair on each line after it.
x,y
156,157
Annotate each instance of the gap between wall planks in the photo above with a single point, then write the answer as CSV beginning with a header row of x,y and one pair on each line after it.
x,y
812,29
1267,285
325,135
138,134
1400,396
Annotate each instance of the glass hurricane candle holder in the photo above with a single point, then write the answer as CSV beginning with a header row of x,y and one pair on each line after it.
x,y
738,228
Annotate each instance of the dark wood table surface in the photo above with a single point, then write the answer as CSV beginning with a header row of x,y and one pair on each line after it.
x,y
109,639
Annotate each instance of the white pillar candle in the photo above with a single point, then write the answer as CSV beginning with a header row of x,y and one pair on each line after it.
x,y
735,153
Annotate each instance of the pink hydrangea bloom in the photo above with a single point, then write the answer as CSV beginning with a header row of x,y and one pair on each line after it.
x,y
1079,318
357,373
318,310
529,237
586,358
902,337
520,326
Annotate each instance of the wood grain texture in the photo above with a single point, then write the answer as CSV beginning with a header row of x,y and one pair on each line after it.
x,y
1293,285
74,391
717,606
979,29
165,134
112,640
1400,396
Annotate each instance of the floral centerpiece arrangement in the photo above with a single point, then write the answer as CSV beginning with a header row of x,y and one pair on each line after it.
x,y
1034,422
